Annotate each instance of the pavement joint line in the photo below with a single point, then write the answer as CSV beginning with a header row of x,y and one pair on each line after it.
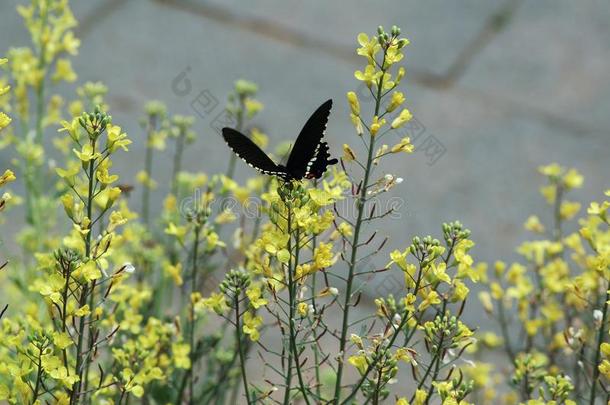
x,y
97,16
271,29
573,128
495,23
281,33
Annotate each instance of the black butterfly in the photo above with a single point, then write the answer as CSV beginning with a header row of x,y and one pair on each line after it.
x,y
309,157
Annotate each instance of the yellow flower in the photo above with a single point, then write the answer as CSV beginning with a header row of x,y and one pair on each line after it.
x,y
357,340
72,127
404,117
102,172
116,139
143,178
354,104
252,107
533,224
61,374
62,340
357,124
86,154
460,291
393,55
376,125
70,43
64,71
369,76
178,231
216,302
348,153
116,219
251,325
323,256
439,272
490,339
88,271
83,311
107,197
359,362
403,354
343,229
403,146
302,308
569,209
213,241
486,301
599,210
604,368
283,255
551,170
76,108
397,99
7,177
225,217
573,179
255,295
430,298
174,271
368,47
4,90
400,74
245,87
52,287
420,397
409,301
180,352
549,193
5,120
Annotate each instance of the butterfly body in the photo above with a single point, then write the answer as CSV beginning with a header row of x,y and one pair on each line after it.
x,y
309,157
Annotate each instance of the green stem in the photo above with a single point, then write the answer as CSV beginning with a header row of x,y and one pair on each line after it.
x,y
292,287
75,396
377,388
38,376
146,191
288,380
242,361
32,181
314,346
192,324
177,162
403,322
600,340
355,243
505,335
437,359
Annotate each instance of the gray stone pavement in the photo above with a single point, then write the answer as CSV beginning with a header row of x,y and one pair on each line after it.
x,y
503,86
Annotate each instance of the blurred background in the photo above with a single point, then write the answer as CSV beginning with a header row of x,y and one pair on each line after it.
x,y
497,88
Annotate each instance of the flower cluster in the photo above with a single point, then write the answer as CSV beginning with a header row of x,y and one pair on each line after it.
x,y
555,299
174,302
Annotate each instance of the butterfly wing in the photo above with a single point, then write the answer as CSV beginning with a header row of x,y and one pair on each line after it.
x,y
250,153
320,162
308,142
